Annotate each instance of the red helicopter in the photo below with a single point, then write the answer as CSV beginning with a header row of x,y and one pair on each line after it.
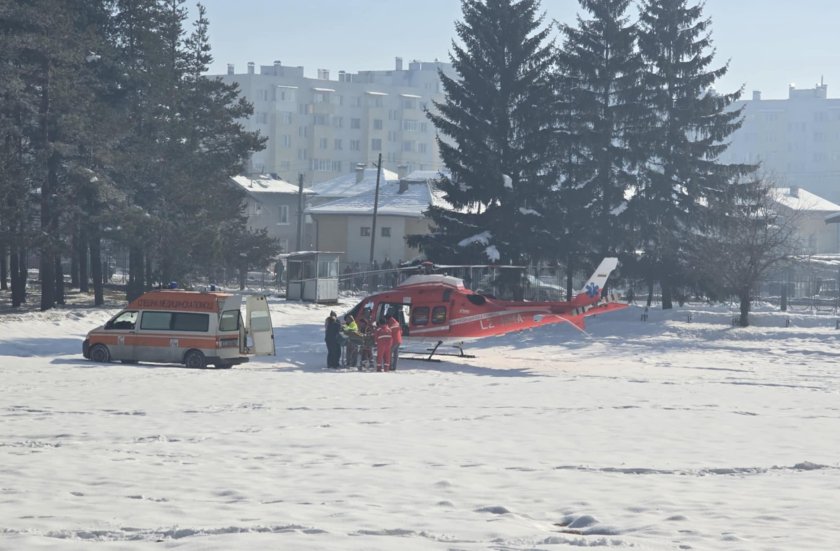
x,y
437,309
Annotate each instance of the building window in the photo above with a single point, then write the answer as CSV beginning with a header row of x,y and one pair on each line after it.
x,y
377,124
409,103
323,143
386,231
364,231
336,166
355,145
283,218
408,146
321,165
409,125
355,123
321,120
422,148
338,122
286,141
424,126
262,118
337,145
376,144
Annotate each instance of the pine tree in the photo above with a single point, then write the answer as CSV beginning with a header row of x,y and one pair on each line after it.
x,y
599,72
691,124
185,140
496,137
48,42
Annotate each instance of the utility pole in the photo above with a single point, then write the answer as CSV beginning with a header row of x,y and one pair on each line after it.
x,y
300,213
375,208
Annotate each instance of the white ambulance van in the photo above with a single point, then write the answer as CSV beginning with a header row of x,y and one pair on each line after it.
x,y
193,328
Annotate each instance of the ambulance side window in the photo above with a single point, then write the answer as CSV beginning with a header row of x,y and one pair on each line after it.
x,y
229,321
156,321
182,321
125,320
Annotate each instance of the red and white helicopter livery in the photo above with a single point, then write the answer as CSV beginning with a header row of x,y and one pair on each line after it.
x,y
438,309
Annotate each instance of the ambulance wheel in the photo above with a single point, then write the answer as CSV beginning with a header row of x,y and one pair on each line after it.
x,y
194,359
99,353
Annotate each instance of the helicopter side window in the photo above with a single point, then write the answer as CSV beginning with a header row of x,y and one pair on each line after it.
x,y
439,314
478,300
420,315
447,294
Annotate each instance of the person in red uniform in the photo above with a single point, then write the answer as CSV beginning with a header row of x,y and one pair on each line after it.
x,y
383,345
396,338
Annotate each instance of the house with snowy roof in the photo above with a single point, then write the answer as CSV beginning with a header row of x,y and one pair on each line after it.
x,y
271,203
346,224
817,219
362,180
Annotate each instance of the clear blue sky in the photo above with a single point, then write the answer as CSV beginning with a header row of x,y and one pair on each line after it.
x,y
769,43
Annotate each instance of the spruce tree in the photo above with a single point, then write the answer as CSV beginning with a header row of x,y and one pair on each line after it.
x,y
185,140
691,123
496,137
599,75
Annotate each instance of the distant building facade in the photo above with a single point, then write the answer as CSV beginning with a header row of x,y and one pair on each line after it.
x,y
815,220
346,224
323,128
274,205
796,140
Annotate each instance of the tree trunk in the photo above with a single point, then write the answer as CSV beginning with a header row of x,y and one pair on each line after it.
x,y
75,247
4,267
19,273
569,283
48,188
136,273
96,270
82,248
667,294
59,280
46,272
784,298
744,298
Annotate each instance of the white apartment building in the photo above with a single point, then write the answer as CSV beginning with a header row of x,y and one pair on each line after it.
x,y
796,140
324,128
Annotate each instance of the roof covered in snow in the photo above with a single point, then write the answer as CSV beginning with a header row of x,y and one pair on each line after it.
x,y
798,199
349,185
267,184
414,199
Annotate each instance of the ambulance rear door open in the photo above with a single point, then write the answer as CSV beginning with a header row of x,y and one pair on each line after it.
x,y
258,325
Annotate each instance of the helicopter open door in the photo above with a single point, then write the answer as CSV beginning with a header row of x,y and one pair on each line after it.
x,y
258,325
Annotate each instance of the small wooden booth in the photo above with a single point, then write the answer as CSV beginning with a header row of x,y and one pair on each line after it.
x,y
312,276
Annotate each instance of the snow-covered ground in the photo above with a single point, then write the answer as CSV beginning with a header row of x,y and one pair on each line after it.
x,y
665,434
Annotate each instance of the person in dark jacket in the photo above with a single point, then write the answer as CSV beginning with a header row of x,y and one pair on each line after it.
x,y
331,331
